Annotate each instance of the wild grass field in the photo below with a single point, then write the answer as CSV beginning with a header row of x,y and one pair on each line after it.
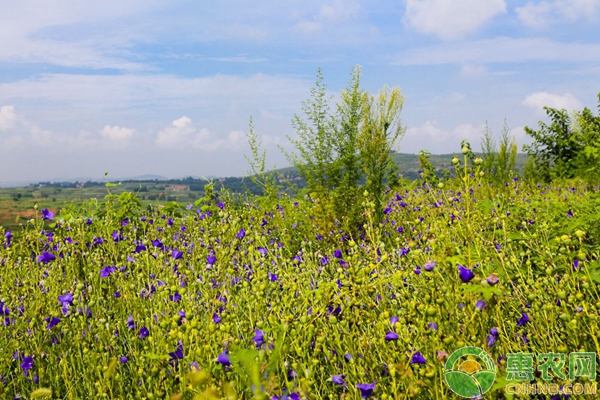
x,y
217,300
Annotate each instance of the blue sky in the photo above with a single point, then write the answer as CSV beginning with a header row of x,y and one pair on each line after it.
x,y
167,87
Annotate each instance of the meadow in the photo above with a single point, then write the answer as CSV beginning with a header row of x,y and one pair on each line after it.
x,y
262,299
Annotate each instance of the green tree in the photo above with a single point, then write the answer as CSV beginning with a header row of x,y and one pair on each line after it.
x,y
499,160
588,126
566,148
555,147
349,121
380,132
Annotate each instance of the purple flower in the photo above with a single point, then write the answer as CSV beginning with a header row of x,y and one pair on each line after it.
x,y
175,297
493,279
144,332
46,257
337,253
123,360
47,214
524,319
433,326
210,259
27,363
139,248
339,380
8,235
177,254
259,338
480,305
178,353
66,299
429,266
465,274
107,271
366,389
492,337
241,234
393,320
117,237
52,322
223,358
157,243
130,323
272,277
418,358
391,336
216,318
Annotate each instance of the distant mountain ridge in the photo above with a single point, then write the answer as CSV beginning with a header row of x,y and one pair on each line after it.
x,y
409,165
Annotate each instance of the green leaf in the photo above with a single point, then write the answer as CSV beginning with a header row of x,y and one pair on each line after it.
x,y
485,206
153,356
487,292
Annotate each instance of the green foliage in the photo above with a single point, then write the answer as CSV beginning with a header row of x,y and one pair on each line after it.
x,y
568,147
350,119
499,161
266,181
310,300
336,150
380,133
428,170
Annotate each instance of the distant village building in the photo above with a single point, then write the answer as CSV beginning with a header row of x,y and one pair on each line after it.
x,y
178,188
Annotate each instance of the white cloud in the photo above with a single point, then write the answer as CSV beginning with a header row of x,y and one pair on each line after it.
x,y
21,132
473,70
8,118
442,141
177,134
502,50
451,19
543,13
539,100
182,134
52,32
333,12
117,135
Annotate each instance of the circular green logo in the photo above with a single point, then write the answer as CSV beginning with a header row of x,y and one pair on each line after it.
x,y
470,372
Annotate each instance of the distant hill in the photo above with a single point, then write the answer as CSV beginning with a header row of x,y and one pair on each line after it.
x,y
408,163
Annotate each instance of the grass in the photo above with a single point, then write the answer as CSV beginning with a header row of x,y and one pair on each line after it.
x,y
227,300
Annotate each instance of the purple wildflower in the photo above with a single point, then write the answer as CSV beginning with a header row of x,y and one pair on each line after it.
x,y
391,336
465,274
51,322
144,332
177,254
429,266
27,363
339,380
47,214
366,389
524,319
66,299
107,271
223,358
259,338
418,358
46,257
